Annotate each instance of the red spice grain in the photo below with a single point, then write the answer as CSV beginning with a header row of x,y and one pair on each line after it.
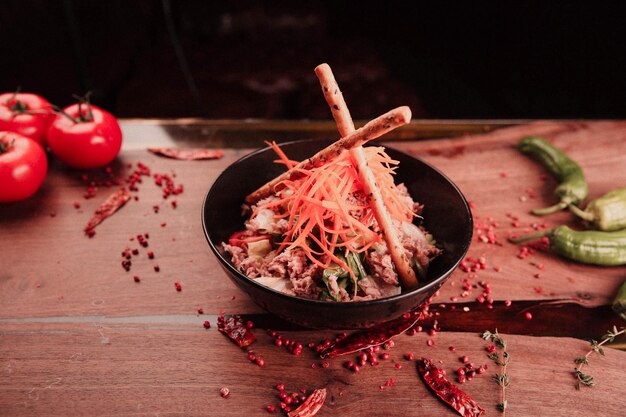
x,y
224,392
200,311
178,286
507,303
398,366
150,254
528,315
136,278
430,342
270,409
156,268
206,324
409,356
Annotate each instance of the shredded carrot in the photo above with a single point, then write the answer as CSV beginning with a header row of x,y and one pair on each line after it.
x,y
327,210
283,158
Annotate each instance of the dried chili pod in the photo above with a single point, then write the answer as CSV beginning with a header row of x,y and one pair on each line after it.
x,y
436,381
588,246
236,330
572,189
113,203
607,213
619,304
371,337
188,154
311,405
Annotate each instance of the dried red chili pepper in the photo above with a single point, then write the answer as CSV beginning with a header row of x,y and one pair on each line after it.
x,y
374,336
435,380
188,154
235,329
311,406
113,203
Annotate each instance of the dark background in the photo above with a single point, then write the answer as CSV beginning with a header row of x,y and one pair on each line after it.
x,y
254,59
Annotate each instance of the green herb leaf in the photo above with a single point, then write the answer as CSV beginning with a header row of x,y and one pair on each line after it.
x,y
502,406
584,379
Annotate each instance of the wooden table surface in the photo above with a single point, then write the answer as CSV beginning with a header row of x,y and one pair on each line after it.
x,y
79,337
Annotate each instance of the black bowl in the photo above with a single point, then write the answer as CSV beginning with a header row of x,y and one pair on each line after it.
x,y
446,215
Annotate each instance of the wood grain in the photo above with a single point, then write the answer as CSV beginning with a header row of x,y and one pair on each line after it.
x,y
51,269
140,370
79,337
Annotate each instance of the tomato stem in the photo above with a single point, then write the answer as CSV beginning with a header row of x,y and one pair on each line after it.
x,y
84,100
58,110
4,146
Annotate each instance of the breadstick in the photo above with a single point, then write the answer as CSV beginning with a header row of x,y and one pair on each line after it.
x,y
342,117
372,130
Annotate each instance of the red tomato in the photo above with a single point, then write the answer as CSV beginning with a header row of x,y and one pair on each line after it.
x,y
26,114
91,140
23,167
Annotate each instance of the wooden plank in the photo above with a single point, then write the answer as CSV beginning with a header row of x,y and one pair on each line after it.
x,y
51,269
252,133
164,370
475,164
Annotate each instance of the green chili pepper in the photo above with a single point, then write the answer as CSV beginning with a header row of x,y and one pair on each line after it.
x,y
619,305
606,213
589,246
572,188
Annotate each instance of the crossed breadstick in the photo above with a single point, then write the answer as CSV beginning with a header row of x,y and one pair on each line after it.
x,y
352,140
342,117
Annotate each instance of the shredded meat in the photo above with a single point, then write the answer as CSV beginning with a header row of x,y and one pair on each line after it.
x,y
336,291
382,265
404,195
289,263
293,273
417,244
376,288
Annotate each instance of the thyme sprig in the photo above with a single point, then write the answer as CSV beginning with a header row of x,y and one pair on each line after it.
x,y
583,379
501,359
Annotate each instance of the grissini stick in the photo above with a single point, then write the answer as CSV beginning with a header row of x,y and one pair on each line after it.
x,y
342,117
372,130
